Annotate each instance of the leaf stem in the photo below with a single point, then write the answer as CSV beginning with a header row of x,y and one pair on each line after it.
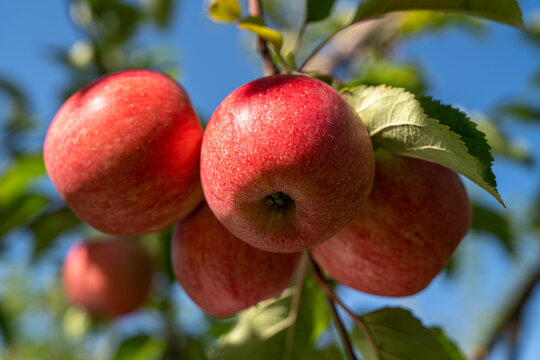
x,y
331,295
269,67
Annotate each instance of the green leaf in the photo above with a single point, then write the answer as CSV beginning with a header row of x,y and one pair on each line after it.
x,y
398,335
525,112
485,219
161,11
274,330
16,178
21,211
47,227
394,73
139,347
256,25
504,11
193,350
453,350
419,21
318,10
224,10
6,333
76,323
425,129
467,130
536,213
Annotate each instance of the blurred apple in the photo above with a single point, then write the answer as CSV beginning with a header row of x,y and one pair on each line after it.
x,y
123,153
286,163
417,214
221,273
108,278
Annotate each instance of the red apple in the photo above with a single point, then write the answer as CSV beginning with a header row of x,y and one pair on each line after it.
x,y
286,163
107,278
123,152
417,214
221,273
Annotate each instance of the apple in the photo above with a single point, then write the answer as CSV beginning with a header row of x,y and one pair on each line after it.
x,y
417,214
124,153
221,273
286,163
107,278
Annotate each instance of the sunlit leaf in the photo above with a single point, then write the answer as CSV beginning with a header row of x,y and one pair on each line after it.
x,y
17,177
395,334
394,73
139,347
224,10
425,129
76,323
417,21
273,329
21,211
255,25
504,11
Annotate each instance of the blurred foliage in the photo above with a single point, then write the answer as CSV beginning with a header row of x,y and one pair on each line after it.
x,y
35,319
108,43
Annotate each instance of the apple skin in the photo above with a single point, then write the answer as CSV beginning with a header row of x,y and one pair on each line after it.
x,y
107,278
124,153
286,163
417,214
221,273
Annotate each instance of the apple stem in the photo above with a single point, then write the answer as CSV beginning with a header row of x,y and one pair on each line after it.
x,y
270,68
333,298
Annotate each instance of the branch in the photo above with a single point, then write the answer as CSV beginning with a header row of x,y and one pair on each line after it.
x,y
512,315
332,297
269,67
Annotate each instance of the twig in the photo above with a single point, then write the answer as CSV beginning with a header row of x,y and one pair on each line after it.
x,y
319,47
513,314
356,42
343,335
323,283
269,67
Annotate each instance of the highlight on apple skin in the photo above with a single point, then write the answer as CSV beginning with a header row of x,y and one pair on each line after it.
x,y
107,278
286,163
417,214
222,274
123,153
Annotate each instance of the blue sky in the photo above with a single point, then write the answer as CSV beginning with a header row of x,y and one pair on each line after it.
x,y
475,73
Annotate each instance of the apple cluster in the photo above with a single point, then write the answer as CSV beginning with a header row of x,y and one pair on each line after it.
x,y
285,165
